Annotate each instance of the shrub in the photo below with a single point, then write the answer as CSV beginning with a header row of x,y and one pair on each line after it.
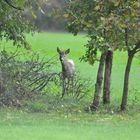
x,y
21,80
80,88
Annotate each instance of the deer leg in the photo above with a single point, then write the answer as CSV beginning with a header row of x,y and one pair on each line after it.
x,y
63,87
68,85
72,85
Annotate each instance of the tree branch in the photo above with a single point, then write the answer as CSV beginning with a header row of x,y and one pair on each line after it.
x,y
137,46
136,49
11,5
126,36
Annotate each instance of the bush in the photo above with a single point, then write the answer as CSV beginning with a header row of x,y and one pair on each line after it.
x,y
80,88
22,80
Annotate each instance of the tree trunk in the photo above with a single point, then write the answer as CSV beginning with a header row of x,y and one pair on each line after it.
x,y
98,84
107,77
126,80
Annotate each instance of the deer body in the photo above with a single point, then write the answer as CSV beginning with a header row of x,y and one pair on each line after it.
x,y
68,70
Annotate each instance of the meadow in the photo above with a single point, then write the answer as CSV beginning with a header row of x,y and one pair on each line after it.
x,y
39,126
19,124
46,44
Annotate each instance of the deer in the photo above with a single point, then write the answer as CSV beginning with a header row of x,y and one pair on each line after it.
x,y
68,70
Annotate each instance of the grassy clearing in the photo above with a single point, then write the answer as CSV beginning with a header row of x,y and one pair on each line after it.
x,y
19,125
46,43
64,123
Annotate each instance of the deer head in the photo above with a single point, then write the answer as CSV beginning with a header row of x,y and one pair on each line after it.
x,y
63,54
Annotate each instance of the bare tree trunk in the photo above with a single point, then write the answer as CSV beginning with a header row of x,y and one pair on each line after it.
x,y
107,77
98,84
126,80
131,54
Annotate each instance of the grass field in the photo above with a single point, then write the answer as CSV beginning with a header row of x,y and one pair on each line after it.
x,y
24,126
46,43
18,125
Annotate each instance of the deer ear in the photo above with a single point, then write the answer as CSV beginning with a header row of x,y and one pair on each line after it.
x,y
67,51
58,50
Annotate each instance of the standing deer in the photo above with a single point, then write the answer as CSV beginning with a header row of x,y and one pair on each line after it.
x,y
68,70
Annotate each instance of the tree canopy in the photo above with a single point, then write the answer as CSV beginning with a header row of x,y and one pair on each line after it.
x,y
111,25
105,22
13,24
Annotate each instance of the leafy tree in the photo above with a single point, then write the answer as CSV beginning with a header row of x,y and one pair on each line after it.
x,y
13,24
130,22
126,20
10,4
94,18
111,25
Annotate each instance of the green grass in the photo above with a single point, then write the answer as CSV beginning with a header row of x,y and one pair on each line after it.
x,y
24,126
75,125
46,43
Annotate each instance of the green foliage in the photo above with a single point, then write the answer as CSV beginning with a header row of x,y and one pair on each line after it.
x,y
49,103
47,48
13,24
11,84
22,80
79,89
37,107
105,23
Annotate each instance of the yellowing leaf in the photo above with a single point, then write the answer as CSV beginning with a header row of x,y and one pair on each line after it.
x,y
97,7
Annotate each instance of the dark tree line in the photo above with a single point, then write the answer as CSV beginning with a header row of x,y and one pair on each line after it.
x,y
48,18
